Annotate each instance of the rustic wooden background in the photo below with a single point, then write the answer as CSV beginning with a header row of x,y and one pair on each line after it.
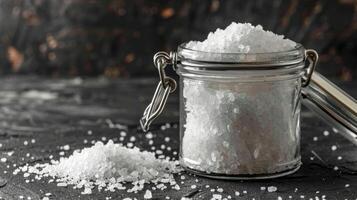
x,y
117,38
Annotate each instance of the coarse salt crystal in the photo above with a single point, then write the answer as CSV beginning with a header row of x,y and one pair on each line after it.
x,y
66,147
149,135
326,133
217,196
132,139
62,184
333,147
148,194
272,189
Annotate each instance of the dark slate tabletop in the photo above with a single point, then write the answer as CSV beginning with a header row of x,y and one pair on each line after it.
x,y
59,112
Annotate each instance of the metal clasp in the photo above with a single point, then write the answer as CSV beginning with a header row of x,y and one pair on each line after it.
x,y
166,86
312,56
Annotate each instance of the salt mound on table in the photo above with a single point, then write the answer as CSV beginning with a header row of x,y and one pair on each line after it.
x,y
242,38
107,166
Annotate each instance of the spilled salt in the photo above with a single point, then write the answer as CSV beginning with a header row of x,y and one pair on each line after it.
x,y
109,167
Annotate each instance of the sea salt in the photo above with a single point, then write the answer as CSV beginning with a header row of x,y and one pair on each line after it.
x,y
66,147
242,38
108,166
243,128
148,194
326,133
333,147
272,189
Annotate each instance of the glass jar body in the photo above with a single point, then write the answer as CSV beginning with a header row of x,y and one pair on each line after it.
x,y
241,124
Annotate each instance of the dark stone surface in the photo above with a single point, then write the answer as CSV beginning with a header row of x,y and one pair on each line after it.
x,y
118,38
90,104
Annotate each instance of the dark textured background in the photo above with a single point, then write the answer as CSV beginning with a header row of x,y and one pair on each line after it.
x,y
117,38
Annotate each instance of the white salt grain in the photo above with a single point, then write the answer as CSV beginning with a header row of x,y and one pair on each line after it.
x,y
26,143
62,184
3,160
149,135
193,186
315,138
132,139
122,133
66,147
167,139
326,133
333,147
148,194
272,189
216,196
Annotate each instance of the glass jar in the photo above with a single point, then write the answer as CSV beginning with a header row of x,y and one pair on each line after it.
x,y
240,113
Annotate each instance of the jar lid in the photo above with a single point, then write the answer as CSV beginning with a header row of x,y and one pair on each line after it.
x,y
332,104
201,60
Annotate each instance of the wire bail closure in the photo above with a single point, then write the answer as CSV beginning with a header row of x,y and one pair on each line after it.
x,y
312,56
166,86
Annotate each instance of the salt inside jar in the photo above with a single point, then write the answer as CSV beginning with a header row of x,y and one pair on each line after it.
x,y
240,96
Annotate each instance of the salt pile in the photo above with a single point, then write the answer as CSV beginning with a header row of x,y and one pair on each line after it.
x,y
107,166
240,127
242,38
